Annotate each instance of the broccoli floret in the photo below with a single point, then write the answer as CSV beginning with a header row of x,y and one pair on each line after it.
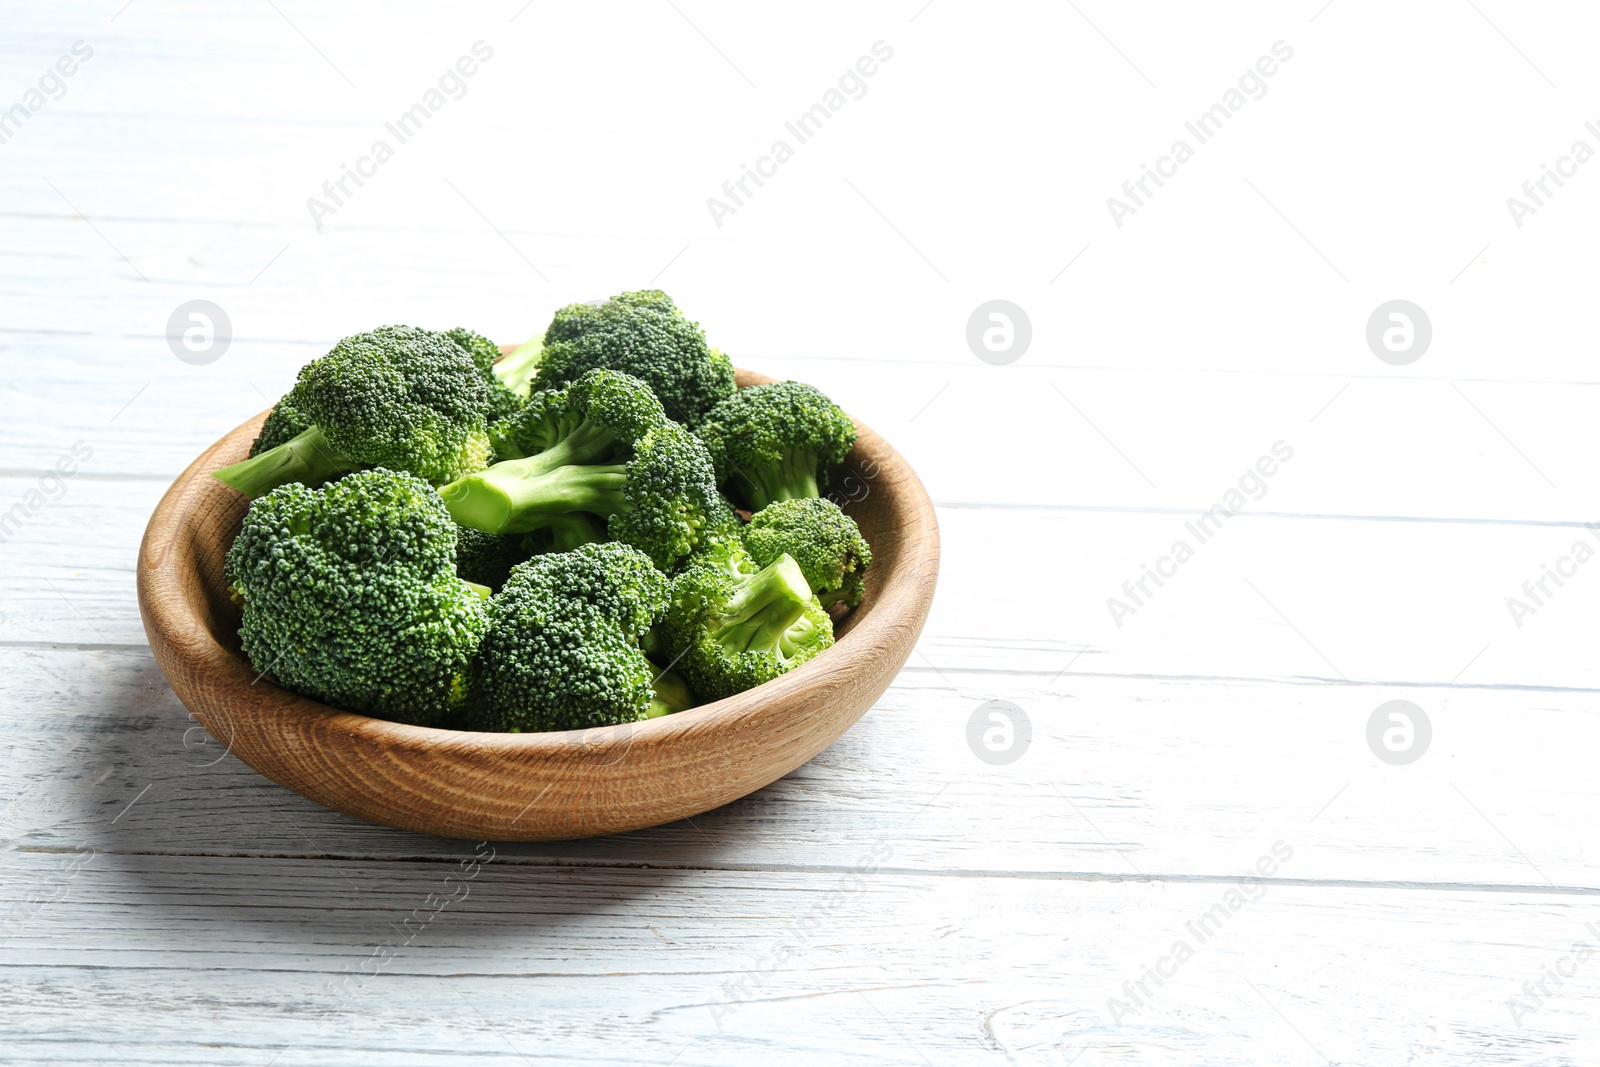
x,y
596,449
507,379
825,541
594,419
283,422
397,397
562,651
503,398
776,442
732,625
351,596
644,334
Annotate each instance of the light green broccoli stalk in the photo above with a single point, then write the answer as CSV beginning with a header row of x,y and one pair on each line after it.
x,y
672,694
600,447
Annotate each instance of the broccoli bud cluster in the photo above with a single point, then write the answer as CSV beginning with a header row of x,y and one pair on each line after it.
x,y
551,540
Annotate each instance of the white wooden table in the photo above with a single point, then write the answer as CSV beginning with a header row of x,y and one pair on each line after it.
x,y
1096,900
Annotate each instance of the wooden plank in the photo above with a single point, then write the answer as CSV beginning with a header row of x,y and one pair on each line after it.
x,y
244,960
1122,778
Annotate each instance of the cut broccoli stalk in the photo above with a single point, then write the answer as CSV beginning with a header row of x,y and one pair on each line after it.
x,y
672,694
522,495
483,592
307,458
802,635
763,606
791,477
517,369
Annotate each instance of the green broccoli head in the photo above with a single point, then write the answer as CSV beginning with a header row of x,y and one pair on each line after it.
x,y
397,397
824,541
351,596
502,400
776,442
732,625
401,398
597,448
562,650
644,334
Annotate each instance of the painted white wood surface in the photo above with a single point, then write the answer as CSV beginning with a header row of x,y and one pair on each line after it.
x,y
897,900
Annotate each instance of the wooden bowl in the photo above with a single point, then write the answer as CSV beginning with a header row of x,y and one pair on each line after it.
x,y
529,787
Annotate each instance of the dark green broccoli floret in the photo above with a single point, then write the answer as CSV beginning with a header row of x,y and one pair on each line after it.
x,y
351,596
596,449
644,334
503,398
397,397
776,442
825,541
562,651
732,625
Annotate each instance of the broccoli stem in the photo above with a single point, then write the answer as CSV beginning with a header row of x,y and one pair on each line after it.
x,y
307,458
672,694
522,495
572,531
793,477
483,592
516,370
587,442
762,607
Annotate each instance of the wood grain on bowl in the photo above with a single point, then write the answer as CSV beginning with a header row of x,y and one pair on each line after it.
x,y
529,787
